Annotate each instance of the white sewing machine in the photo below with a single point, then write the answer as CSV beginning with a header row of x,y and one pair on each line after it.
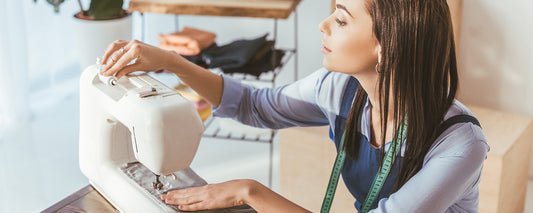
x,y
136,119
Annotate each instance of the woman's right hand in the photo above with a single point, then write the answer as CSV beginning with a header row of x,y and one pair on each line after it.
x,y
119,56
120,53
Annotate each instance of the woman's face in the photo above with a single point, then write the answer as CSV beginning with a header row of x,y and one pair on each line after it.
x,y
349,45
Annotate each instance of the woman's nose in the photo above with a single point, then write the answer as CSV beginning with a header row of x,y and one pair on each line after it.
x,y
323,27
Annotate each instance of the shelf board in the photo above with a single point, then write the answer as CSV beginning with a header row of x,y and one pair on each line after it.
x,y
278,9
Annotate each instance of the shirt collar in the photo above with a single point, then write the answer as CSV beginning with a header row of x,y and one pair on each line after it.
x,y
365,127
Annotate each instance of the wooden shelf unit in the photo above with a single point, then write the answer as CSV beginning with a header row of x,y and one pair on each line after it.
x,y
276,9
271,9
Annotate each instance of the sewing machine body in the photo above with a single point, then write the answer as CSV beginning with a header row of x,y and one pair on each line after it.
x,y
132,122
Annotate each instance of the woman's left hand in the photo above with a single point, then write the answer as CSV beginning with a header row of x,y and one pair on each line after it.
x,y
211,196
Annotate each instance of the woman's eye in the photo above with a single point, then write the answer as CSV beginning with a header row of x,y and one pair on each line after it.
x,y
339,22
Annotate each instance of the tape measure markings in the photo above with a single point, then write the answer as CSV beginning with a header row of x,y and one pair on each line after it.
x,y
379,180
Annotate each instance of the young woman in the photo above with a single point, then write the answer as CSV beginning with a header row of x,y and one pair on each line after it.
x,y
389,80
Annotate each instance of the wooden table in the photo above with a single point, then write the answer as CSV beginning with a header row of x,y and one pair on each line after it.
x,y
278,9
86,199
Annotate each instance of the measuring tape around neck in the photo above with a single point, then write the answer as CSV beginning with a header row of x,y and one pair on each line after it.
x,y
379,180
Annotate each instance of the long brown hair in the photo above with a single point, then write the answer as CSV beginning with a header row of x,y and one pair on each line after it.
x,y
419,67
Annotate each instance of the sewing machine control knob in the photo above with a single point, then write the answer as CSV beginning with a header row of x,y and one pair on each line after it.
x,y
148,91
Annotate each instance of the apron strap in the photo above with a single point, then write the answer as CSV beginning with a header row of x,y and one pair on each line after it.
x,y
455,120
347,98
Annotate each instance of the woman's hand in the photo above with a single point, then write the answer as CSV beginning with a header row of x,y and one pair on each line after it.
x,y
211,196
147,58
119,56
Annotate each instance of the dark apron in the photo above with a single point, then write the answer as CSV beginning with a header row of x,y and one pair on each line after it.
x,y
358,174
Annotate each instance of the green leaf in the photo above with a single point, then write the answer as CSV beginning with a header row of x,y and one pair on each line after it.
x,y
105,9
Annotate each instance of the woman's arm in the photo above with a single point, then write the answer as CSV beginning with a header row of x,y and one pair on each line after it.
x,y
228,194
120,54
262,199
207,84
292,105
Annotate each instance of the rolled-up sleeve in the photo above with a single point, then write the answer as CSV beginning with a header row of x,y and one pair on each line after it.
x,y
231,97
294,104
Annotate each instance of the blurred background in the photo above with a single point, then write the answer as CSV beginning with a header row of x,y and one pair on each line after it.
x,y
40,68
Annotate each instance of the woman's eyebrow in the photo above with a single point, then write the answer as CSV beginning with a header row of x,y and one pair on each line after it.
x,y
342,7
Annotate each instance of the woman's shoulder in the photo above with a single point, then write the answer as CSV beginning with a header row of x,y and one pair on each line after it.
x,y
329,79
459,140
457,108
329,89
330,83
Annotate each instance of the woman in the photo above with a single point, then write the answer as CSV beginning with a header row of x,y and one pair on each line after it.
x,y
389,83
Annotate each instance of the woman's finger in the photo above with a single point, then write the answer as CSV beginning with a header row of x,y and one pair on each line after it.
x,y
193,207
112,48
122,60
177,198
183,200
116,51
128,69
183,194
119,51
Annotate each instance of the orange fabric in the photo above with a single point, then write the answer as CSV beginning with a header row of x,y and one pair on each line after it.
x,y
189,41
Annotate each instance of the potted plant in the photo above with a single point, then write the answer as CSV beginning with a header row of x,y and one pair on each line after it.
x,y
98,9
94,29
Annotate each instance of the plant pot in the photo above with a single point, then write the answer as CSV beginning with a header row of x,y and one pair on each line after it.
x,y
92,37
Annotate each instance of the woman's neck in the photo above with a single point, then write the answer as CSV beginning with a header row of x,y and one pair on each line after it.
x,y
370,83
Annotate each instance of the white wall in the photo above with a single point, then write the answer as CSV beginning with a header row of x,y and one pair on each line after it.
x,y
53,74
496,62
50,42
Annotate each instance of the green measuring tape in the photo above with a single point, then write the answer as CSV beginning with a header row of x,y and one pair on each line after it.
x,y
379,180
334,178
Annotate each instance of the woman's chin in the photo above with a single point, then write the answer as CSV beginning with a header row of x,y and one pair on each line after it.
x,y
327,65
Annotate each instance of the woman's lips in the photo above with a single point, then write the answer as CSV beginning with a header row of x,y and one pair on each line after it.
x,y
325,50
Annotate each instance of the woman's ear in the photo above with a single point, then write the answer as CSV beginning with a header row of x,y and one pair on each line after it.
x,y
378,49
